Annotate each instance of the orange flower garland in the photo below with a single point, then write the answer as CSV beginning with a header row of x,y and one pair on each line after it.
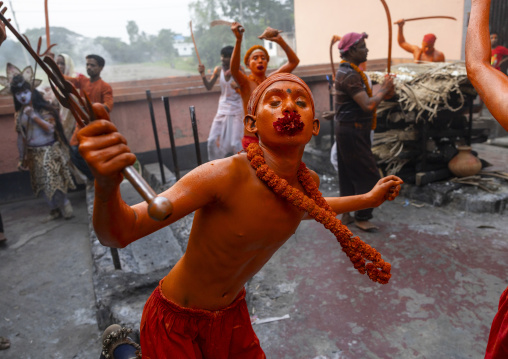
x,y
369,90
317,207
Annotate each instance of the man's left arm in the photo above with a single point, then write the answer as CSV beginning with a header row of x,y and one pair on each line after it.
x,y
107,97
387,188
369,104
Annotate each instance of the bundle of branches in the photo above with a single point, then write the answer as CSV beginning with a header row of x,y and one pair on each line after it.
x,y
387,146
426,88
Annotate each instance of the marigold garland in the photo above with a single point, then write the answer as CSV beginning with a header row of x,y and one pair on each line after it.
x,y
317,207
367,87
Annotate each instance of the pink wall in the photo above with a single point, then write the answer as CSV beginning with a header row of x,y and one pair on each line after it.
x,y
131,114
317,21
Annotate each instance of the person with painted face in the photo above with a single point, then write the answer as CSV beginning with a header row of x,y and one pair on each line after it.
x,y
426,53
246,207
38,126
256,59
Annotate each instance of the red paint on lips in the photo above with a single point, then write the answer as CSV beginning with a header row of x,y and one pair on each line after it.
x,y
290,124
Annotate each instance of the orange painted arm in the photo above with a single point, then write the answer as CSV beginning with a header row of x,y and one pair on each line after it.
x,y
118,224
293,59
402,40
241,79
386,189
491,84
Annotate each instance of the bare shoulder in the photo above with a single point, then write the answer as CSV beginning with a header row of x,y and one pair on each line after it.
x,y
314,176
221,173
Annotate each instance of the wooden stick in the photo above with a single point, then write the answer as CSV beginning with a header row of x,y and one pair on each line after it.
x,y
194,41
429,17
389,62
331,55
48,42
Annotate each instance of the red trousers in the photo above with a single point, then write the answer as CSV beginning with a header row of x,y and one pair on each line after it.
x,y
169,331
497,347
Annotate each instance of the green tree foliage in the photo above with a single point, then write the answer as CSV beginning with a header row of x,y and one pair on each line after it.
x,y
13,51
142,47
254,15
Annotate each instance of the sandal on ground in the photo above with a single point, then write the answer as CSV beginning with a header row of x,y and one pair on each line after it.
x,y
2,237
366,226
4,343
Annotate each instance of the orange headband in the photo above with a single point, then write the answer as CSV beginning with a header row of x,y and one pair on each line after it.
x,y
283,76
251,50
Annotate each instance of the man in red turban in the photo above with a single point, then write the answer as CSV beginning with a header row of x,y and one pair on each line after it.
x,y
426,53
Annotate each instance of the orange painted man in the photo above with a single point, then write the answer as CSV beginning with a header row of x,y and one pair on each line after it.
x,y
256,59
246,207
425,53
492,86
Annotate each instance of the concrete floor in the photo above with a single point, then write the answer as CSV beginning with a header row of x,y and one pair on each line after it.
x,y
448,271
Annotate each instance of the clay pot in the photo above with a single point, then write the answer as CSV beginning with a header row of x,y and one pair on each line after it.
x,y
464,163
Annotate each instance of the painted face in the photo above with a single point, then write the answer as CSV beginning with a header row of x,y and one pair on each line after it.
x,y
92,68
225,62
493,40
427,48
60,61
258,62
285,111
24,97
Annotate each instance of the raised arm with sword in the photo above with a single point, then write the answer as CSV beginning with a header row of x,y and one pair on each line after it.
x,y
427,52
